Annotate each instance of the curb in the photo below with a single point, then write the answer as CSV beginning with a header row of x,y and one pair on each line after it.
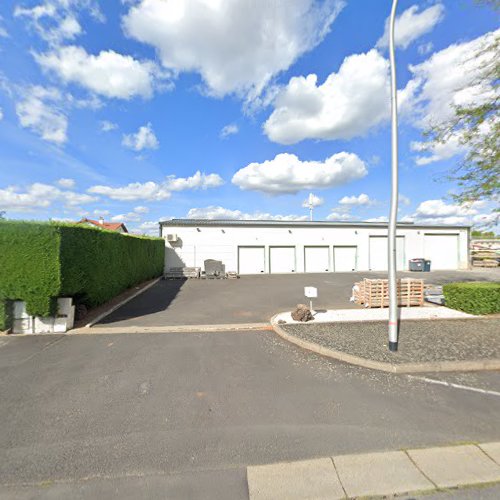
x,y
434,366
123,302
237,327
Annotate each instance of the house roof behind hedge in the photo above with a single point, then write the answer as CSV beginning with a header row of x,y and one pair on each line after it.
x,y
111,226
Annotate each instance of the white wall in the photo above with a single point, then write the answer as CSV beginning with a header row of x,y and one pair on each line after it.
x,y
221,242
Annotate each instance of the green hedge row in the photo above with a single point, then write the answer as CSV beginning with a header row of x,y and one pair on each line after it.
x,y
473,297
42,261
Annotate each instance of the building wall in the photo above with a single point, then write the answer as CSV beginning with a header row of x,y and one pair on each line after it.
x,y
196,244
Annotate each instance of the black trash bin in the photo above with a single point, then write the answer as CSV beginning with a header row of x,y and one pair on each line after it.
x,y
417,265
427,266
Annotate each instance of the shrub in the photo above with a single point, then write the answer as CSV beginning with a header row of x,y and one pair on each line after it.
x,y
41,261
473,297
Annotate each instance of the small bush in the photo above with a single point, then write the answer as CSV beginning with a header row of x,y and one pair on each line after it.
x,y
473,297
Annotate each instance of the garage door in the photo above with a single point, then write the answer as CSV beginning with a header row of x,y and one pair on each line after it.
x,y
441,250
282,259
378,253
344,259
251,260
317,259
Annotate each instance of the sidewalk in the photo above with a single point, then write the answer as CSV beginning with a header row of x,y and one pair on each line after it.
x,y
376,474
424,345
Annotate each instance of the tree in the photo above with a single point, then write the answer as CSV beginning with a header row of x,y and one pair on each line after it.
x,y
477,127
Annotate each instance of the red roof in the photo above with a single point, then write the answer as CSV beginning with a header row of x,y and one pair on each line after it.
x,y
111,226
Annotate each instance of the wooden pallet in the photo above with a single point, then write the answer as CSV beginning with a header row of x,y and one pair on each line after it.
x,y
375,292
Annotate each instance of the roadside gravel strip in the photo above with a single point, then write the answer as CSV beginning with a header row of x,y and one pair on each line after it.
x,y
424,345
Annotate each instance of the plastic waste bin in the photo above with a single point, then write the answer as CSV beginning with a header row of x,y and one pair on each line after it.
x,y
417,264
427,266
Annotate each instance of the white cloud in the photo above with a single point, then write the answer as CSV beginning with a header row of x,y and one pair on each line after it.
x,y
141,210
144,138
347,104
361,200
449,78
286,173
339,216
217,212
236,46
197,181
130,217
1,114
380,218
439,212
101,213
56,21
107,126
437,151
228,130
153,191
66,183
313,200
134,191
3,31
109,73
39,196
404,200
412,24
425,48
40,110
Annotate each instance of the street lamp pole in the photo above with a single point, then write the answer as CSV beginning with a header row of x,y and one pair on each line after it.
x,y
393,292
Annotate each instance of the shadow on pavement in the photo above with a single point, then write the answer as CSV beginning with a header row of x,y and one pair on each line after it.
x,y
156,299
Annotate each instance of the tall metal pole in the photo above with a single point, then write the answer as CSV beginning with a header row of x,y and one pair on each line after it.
x,y
393,292
311,207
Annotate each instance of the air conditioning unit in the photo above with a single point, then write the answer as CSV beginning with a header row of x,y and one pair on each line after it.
x,y
172,238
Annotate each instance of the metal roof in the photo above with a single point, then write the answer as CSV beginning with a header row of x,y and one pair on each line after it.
x,y
292,223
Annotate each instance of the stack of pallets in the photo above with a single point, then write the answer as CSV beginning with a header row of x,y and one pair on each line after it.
x,y
375,292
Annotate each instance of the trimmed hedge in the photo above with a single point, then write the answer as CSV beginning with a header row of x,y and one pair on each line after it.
x,y
97,265
480,297
41,261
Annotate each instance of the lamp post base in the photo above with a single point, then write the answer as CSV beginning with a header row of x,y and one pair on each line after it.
x,y
393,346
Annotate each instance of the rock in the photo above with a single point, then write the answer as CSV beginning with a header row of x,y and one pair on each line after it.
x,y
302,313
281,322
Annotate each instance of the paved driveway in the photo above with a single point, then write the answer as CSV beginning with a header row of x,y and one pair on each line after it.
x,y
251,299
181,415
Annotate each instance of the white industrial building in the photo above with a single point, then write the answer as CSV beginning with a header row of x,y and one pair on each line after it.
x,y
261,247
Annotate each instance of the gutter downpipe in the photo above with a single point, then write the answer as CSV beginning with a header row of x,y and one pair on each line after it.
x,y
393,293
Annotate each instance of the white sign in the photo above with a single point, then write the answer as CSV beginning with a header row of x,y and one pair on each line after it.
x,y
310,292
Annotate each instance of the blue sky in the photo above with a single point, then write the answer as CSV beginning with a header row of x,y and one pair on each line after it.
x,y
145,110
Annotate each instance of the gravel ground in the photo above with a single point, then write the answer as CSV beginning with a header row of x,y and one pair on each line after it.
x,y
419,341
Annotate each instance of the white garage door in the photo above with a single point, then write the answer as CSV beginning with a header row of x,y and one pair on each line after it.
x,y
251,260
441,250
282,259
344,259
378,253
317,259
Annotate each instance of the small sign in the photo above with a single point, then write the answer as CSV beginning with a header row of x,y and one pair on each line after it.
x,y
310,292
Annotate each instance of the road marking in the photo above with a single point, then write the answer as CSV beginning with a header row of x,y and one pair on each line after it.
x,y
455,386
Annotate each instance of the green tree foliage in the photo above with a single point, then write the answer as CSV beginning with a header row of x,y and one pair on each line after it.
x,y
478,128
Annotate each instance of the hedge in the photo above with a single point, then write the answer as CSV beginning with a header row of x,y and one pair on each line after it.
x,y
42,261
473,297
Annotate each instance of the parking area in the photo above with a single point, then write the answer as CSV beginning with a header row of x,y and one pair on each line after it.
x,y
253,299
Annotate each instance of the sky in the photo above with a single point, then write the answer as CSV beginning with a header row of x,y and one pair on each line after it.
x,y
145,110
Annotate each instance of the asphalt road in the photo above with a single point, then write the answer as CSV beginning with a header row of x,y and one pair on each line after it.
x,y
181,415
253,299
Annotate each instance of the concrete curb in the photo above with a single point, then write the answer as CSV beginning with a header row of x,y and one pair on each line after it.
x,y
365,475
235,327
123,302
435,366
